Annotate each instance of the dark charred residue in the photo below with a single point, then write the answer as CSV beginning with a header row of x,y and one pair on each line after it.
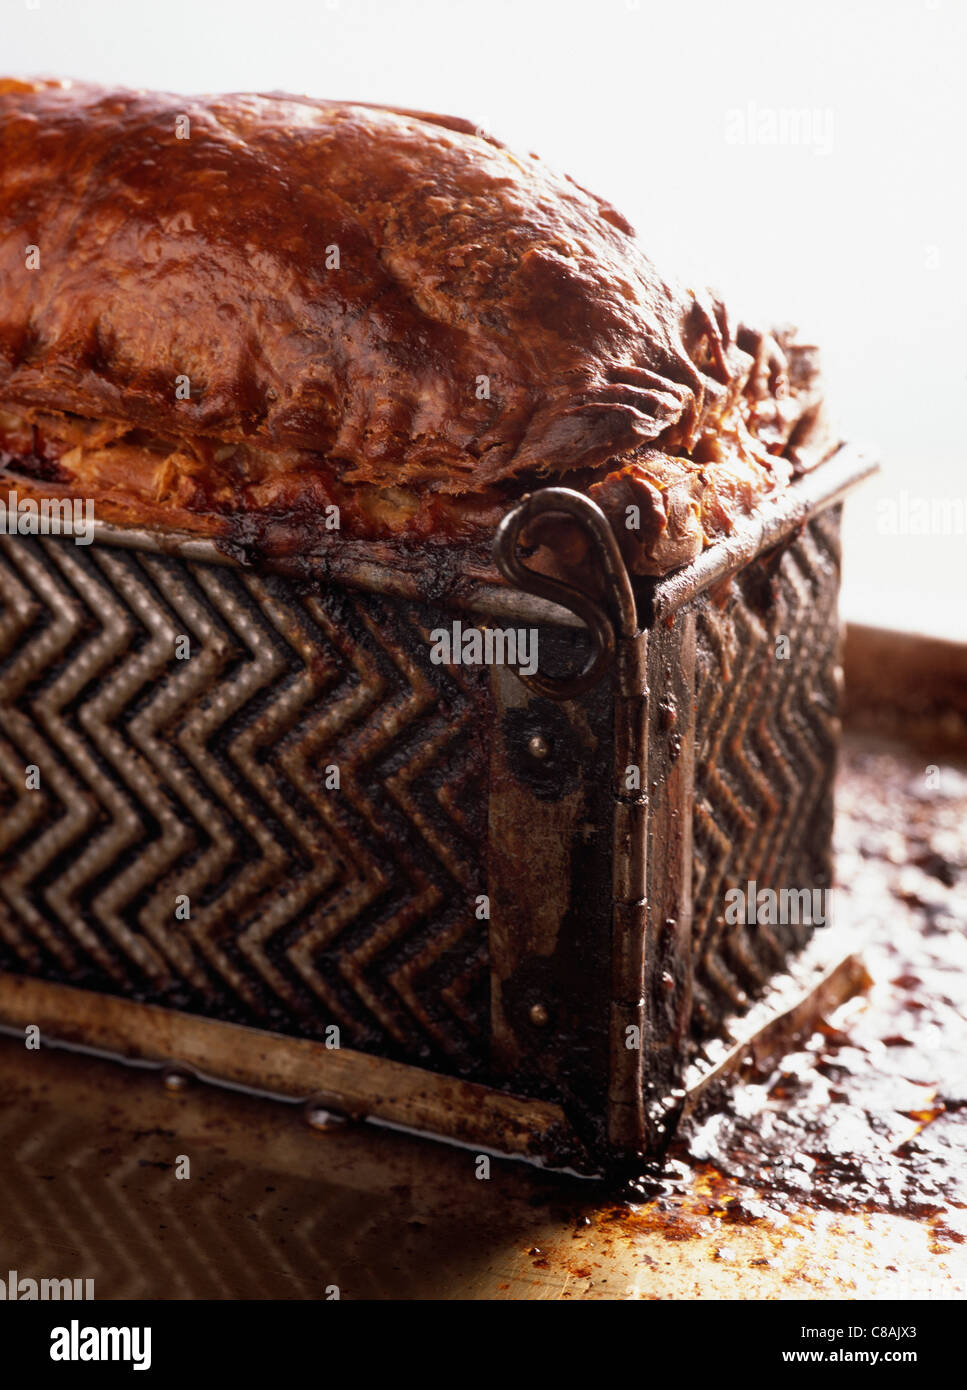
x,y
871,1114
36,467
296,543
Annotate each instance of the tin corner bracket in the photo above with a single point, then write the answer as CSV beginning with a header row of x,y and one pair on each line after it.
x,y
609,620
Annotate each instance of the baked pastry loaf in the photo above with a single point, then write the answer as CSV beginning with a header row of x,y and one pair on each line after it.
x,y
230,314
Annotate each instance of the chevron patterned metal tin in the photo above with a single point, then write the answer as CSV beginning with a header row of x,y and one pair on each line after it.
x,y
249,826
767,729
187,723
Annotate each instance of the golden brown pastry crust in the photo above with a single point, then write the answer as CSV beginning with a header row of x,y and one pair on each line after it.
x,y
379,308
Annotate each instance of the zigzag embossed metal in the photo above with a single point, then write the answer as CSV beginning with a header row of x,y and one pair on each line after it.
x,y
240,810
767,728
163,779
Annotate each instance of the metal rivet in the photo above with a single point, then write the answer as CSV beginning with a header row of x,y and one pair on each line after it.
x,y
538,746
174,1080
539,1016
318,1117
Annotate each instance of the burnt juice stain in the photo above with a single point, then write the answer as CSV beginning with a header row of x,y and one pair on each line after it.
x,y
870,1115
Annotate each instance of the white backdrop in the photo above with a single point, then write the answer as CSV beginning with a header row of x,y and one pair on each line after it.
x,y
806,160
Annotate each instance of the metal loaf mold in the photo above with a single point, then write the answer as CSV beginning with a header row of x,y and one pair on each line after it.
x,y
358,907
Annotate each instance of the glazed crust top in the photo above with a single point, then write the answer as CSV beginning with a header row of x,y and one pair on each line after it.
x,y
236,315
389,289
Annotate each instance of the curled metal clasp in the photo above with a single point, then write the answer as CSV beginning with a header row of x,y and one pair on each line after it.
x,y
615,617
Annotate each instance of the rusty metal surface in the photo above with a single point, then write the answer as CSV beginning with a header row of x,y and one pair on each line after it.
x,y
186,847
550,886
673,891
356,1084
